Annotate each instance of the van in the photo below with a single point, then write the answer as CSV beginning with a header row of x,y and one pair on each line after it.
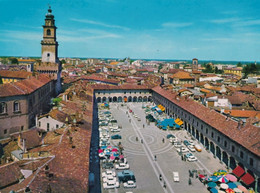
x,y
176,176
198,148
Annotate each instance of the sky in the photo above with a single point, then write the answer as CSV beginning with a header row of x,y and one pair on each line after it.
x,y
227,30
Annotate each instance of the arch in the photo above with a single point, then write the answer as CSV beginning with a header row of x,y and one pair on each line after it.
x,y
218,153
120,99
140,99
114,99
135,99
110,99
212,147
206,143
129,99
225,157
201,138
232,163
48,32
145,99
99,99
197,135
193,131
150,99
104,99
125,99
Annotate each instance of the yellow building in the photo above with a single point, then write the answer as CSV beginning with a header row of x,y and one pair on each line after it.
x,y
13,76
236,71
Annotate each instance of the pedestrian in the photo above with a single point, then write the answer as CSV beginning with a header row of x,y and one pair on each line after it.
x,y
164,184
160,177
143,125
141,140
155,158
189,181
163,140
136,138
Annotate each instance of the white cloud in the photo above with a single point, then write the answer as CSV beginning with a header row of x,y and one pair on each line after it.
x,y
99,23
226,20
23,35
176,25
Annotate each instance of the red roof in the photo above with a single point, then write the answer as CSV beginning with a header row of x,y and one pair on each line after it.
x,y
238,171
248,179
24,87
15,74
247,136
182,75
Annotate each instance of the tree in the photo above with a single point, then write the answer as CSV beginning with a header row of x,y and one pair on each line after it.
x,y
251,69
13,60
208,69
63,61
1,82
239,64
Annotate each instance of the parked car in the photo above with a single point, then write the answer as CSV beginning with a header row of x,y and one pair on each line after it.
x,y
183,149
191,142
115,130
108,173
191,148
176,176
186,142
126,175
117,136
198,148
107,165
190,157
173,140
109,178
129,184
122,166
170,136
177,144
111,185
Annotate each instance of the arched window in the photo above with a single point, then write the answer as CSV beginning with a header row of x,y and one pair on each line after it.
x,y
16,106
3,108
48,32
48,54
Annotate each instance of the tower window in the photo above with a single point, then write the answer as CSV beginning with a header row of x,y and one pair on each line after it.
x,y
48,54
48,32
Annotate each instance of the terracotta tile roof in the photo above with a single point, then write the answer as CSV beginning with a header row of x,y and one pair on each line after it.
x,y
15,74
241,113
26,60
248,136
188,85
94,77
182,75
9,174
24,87
120,87
205,90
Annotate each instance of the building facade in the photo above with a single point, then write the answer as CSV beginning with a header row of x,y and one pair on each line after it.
x,y
21,101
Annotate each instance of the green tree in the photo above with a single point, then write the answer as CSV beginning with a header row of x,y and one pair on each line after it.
x,y
1,82
63,61
4,61
239,64
208,69
251,69
13,60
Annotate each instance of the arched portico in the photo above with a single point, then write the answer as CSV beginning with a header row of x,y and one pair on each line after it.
x,y
114,99
135,99
99,100
140,99
120,99
104,99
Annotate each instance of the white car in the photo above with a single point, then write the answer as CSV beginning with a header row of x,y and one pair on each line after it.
x,y
122,166
111,185
109,179
173,140
108,173
177,144
191,148
192,159
191,142
129,184
176,176
115,130
182,149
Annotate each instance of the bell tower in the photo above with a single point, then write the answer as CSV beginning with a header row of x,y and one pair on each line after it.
x,y
49,43
50,63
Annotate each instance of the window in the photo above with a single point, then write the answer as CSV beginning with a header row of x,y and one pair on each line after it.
x,y
233,148
218,139
124,92
57,126
22,127
241,154
197,123
3,108
5,131
207,131
212,134
48,126
48,54
201,127
98,92
251,162
225,143
16,106
48,32
39,124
